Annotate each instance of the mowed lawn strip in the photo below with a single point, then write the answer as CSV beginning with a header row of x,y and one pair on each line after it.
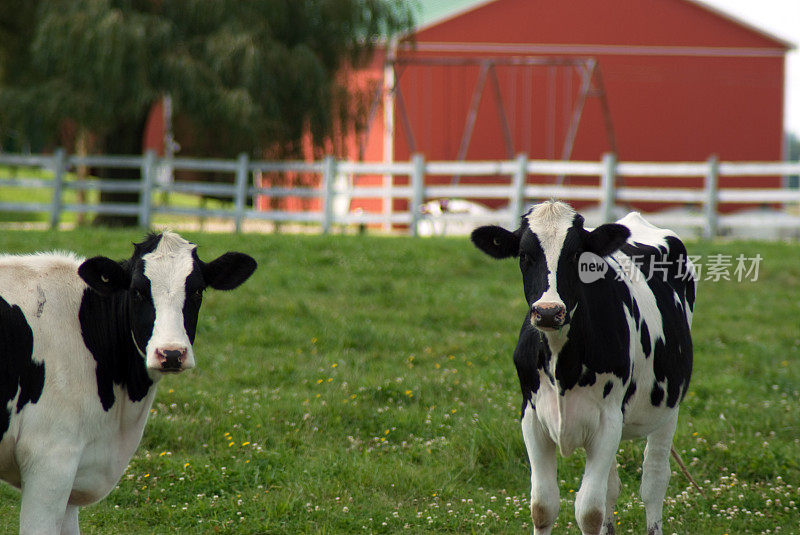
x,y
365,385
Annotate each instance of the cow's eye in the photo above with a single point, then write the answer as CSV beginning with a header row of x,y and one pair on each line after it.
x,y
137,294
197,294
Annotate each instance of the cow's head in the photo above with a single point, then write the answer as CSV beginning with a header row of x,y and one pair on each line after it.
x,y
163,284
549,243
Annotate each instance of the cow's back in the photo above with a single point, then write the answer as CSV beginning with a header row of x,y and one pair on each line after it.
x,y
655,265
40,342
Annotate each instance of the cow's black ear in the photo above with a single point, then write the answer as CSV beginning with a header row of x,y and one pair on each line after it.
x,y
104,275
496,241
606,239
229,271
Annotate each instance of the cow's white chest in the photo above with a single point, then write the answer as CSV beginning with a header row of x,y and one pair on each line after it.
x,y
570,419
111,445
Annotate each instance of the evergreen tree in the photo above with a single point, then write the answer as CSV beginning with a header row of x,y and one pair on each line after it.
x,y
248,75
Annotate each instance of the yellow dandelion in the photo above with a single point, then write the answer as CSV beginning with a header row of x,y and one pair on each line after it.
x,y
245,443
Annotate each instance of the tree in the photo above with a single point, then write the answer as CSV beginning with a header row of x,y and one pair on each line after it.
x,y
793,155
254,76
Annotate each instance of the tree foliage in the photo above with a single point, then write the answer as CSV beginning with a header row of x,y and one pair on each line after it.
x,y
248,75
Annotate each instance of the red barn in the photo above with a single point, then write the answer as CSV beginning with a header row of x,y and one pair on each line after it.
x,y
652,80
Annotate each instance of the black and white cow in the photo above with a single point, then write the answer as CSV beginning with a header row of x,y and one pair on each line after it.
x,y
83,345
598,360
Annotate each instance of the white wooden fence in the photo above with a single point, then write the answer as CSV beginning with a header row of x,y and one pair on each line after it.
x,y
517,193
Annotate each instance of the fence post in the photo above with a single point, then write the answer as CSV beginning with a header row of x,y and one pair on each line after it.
x,y
607,186
148,172
59,168
328,178
712,196
517,201
242,175
417,191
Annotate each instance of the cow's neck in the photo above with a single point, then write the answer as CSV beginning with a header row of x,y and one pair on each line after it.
x,y
590,344
105,325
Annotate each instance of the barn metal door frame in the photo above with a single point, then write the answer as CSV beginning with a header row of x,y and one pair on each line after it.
x,y
591,87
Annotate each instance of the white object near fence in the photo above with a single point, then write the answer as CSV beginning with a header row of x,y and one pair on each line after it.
x,y
334,193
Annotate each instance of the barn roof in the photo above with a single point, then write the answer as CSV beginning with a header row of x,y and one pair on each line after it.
x,y
431,13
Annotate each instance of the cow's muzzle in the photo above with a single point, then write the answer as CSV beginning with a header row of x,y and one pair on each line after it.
x,y
171,360
548,316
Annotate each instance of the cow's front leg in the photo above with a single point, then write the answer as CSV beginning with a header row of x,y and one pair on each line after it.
x,y
601,451
656,472
70,524
544,483
612,493
46,485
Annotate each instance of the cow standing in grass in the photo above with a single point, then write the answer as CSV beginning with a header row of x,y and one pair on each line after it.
x,y
603,354
83,345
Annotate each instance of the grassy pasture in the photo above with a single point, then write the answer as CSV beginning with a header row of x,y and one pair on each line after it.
x,y
365,385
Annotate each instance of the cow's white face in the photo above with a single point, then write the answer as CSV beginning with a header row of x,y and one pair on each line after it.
x,y
548,225
549,243
161,287
168,270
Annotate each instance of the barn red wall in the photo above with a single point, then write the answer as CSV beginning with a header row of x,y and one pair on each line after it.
x,y
610,22
710,86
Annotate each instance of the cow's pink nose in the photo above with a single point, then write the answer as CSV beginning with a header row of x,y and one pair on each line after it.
x,y
171,359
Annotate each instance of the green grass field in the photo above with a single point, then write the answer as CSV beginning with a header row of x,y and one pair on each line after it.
x,y
365,385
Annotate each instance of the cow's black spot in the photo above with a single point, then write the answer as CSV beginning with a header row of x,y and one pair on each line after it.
x,y
18,372
656,395
529,356
628,394
587,378
595,341
106,331
607,389
636,314
645,337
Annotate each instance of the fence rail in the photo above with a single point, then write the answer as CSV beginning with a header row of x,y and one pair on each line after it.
x,y
517,192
